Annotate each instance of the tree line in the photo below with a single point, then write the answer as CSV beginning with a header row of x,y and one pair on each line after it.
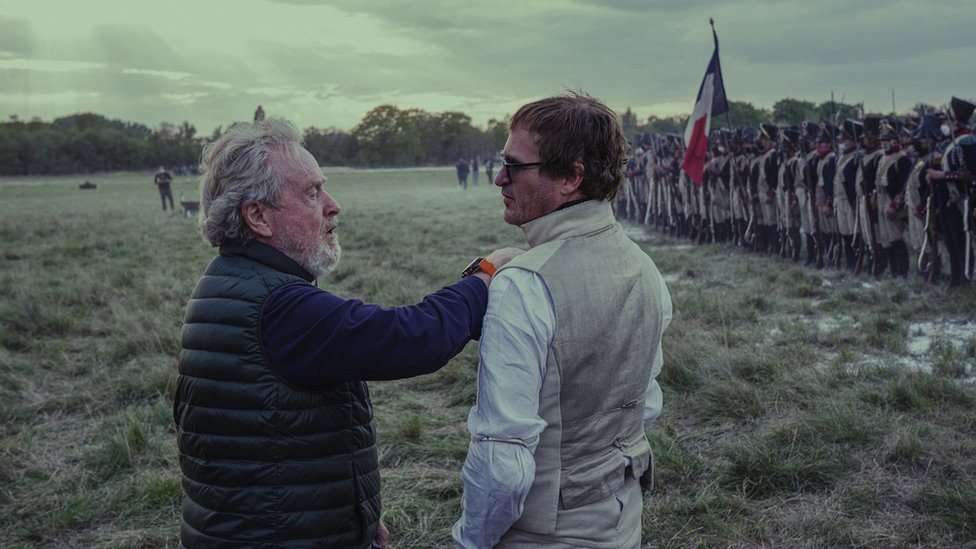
x,y
84,143
387,136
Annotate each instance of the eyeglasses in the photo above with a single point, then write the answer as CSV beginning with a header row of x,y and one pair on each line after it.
x,y
519,165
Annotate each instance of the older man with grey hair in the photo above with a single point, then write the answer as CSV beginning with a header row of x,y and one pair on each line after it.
x,y
275,425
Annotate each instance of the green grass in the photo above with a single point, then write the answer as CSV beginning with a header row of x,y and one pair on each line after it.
x,y
794,414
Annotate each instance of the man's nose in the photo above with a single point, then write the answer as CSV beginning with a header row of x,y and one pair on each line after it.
x,y
330,207
501,178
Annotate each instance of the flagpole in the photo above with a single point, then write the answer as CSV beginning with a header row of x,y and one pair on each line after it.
x,y
710,101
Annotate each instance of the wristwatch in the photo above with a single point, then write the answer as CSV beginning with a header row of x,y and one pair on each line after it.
x,y
479,264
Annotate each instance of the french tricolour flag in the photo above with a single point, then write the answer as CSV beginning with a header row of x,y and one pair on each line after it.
x,y
711,102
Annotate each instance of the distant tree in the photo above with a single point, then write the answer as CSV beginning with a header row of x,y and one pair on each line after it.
x,y
743,114
838,112
259,114
671,124
41,150
428,130
331,147
9,157
792,112
497,134
174,145
87,142
629,122
387,137
457,137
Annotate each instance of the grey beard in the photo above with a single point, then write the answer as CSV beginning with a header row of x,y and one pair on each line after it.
x,y
323,261
318,261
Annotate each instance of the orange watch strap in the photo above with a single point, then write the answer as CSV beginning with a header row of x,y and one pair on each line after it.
x,y
488,268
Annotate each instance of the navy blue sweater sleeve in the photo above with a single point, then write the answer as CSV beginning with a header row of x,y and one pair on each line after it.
x,y
313,338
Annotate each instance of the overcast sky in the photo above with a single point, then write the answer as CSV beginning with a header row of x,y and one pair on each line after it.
x,y
326,63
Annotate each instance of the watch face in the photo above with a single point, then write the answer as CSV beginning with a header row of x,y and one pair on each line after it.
x,y
472,268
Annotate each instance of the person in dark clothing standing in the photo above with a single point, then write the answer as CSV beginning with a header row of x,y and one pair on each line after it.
x,y
274,421
950,187
893,172
163,181
462,168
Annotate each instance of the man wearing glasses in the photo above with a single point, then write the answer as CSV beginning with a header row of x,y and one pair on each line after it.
x,y
570,348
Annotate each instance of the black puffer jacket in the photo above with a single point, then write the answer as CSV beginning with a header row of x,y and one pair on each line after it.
x,y
264,464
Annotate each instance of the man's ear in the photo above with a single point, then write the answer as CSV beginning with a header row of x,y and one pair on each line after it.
x,y
255,214
571,184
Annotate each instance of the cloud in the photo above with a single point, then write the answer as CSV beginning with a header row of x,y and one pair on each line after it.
x,y
47,65
328,62
169,75
16,38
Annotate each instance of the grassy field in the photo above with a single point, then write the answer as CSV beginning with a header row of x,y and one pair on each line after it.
x,y
802,408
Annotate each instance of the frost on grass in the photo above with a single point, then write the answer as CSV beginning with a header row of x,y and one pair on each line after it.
x,y
931,346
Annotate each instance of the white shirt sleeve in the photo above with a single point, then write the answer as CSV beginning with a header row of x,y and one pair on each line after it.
x,y
505,423
653,399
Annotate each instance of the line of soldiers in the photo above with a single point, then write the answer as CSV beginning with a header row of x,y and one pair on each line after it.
x,y
876,196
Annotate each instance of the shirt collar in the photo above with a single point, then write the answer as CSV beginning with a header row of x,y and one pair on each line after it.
x,y
267,254
569,221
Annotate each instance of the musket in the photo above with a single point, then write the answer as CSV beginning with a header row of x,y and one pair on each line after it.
x,y
707,204
669,199
965,180
809,176
963,177
869,228
651,176
780,185
858,242
833,249
748,235
790,192
966,214
928,258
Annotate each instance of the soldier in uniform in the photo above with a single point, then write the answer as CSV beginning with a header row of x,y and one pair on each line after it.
x,y
666,173
655,181
786,203
644,160
950,188
719,170
845,196
864,185
688,193
893,171
738,191
918,196
623,204
754,234
768,168
826,170
805,190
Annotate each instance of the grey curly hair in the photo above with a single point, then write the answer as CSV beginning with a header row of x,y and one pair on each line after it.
x,y
238,169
